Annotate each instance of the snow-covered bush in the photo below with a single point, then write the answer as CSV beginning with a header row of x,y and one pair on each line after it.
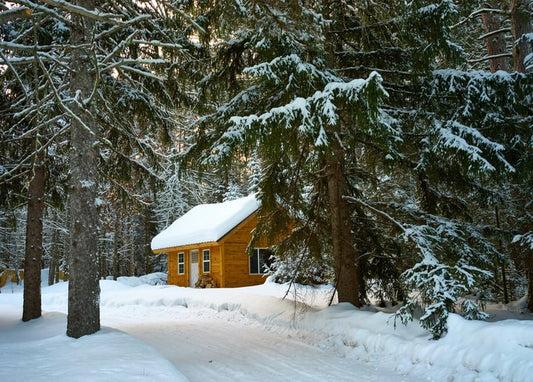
x,y
302,269
156,278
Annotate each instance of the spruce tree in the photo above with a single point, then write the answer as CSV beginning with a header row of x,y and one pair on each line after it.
x,y
358,147
33,123
318,130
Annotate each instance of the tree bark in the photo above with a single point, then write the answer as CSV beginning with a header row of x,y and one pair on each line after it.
x,y
502,264
34,239
346,262
529,264
54,255
496,44
149,232
520,26
84,291
116,246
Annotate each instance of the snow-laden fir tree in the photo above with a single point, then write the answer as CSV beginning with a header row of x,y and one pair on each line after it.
x,y
330,95
298,127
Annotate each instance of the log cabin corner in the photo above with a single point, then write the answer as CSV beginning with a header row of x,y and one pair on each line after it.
x,y
211,241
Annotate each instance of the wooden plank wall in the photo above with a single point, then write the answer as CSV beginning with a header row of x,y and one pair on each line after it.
x,y
173,277
183,280
236,272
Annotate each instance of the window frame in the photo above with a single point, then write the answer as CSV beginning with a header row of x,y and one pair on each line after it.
x,y
206,261
181,263
258,255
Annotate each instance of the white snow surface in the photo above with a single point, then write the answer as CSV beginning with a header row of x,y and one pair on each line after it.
x,y
205,223
155,332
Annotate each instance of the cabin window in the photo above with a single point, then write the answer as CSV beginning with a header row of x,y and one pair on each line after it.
x,y
181,263
207,260
260,261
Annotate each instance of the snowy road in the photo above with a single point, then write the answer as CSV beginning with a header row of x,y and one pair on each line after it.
x,y
207,349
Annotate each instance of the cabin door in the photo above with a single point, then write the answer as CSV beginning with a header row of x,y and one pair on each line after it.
x,y
193,267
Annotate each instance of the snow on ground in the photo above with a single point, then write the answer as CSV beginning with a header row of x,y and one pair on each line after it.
x,y
155,332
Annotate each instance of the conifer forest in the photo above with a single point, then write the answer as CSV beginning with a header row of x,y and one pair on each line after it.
x,y
390,143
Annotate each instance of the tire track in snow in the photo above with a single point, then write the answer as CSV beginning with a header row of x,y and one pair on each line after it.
x,y
207,349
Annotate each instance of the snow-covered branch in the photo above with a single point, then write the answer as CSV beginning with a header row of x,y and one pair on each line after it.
x,y
104,17
494,32
492,57
379,212
14,14
143,73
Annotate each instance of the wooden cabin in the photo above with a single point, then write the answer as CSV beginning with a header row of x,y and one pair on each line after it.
x,y
210,242
10,276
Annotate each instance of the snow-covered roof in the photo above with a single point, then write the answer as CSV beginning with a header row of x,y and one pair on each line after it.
x,y
205,223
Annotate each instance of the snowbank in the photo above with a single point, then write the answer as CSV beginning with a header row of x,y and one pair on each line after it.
x,y
471,351
157,278
39,350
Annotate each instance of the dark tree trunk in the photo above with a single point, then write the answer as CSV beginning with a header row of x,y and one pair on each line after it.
x,y
116,246
53,270
84,291
520,26
346,262
34,240
502,264
495,39
149,232
529,263
54,258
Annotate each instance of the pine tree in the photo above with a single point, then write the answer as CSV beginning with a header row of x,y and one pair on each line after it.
x,y
506,111
32,125
476,118
351,128
309,144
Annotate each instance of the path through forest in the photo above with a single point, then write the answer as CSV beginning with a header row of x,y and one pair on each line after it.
x,y
209,349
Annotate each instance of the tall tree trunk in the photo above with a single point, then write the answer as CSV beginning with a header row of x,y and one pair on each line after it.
x,y
149,232
521,25
502,263
34,239
84,291
529,264
346,262
54,255
117,242
495,39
